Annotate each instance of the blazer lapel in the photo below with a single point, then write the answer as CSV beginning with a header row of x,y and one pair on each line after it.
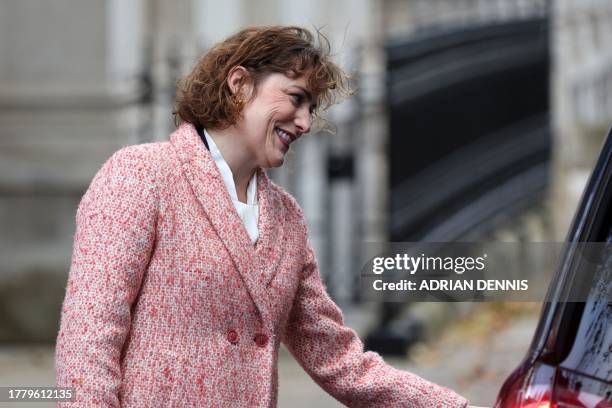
x,y
271,243
256,265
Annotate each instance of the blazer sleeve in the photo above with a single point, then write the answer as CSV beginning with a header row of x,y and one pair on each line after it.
x,y
115,233
332,354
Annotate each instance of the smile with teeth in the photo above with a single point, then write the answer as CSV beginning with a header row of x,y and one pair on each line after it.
x,y
284,136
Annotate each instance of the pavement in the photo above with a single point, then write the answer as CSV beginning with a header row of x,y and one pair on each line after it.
x,y
473,356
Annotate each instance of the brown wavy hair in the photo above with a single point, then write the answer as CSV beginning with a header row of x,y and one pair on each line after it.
x,y
204,98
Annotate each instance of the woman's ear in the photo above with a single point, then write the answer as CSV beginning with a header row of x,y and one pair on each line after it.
x,y
239,81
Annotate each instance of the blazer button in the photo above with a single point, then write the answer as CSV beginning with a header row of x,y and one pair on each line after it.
x,y
232,336
261,340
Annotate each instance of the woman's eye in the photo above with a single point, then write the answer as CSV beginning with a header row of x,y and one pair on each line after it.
x,y
297,99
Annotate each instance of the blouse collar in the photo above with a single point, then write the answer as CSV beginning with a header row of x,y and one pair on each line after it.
x,y
227,175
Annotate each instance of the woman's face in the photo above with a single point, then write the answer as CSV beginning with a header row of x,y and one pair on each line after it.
x,y
276,117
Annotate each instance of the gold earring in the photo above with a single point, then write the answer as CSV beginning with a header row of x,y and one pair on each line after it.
x,y
238,101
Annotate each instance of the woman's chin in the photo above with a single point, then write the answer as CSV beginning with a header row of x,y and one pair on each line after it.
x,y
278,162
279,157
275,161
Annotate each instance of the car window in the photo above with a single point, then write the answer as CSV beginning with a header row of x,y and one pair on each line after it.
x,y
591,352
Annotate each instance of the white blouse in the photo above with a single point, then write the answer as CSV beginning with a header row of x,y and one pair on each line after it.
x,y
249,212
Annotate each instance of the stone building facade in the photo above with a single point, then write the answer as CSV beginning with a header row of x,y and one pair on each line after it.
x,y
581,97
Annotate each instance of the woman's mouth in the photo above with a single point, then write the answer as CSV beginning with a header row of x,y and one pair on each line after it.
x,y
285,137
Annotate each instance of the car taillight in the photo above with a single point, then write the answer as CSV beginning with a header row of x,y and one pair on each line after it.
x,y
543,386
573,389
528,388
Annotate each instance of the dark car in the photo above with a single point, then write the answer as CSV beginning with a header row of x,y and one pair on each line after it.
x,y
569,363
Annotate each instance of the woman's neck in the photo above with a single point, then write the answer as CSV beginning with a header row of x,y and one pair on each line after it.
x,y
237,158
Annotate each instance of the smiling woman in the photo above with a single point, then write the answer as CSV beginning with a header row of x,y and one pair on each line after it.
x,y
257,92
278,115
190,266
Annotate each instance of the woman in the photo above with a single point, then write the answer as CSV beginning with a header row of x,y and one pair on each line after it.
x,y
190,266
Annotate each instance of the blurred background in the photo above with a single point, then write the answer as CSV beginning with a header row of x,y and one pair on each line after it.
x,y
472,120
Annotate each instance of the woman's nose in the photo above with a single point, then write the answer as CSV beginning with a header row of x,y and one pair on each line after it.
x,y
302,120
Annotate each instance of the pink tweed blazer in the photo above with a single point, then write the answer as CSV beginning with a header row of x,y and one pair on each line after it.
x,y
169,304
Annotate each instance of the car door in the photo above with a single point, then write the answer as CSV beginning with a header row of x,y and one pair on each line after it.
x,y
569,363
